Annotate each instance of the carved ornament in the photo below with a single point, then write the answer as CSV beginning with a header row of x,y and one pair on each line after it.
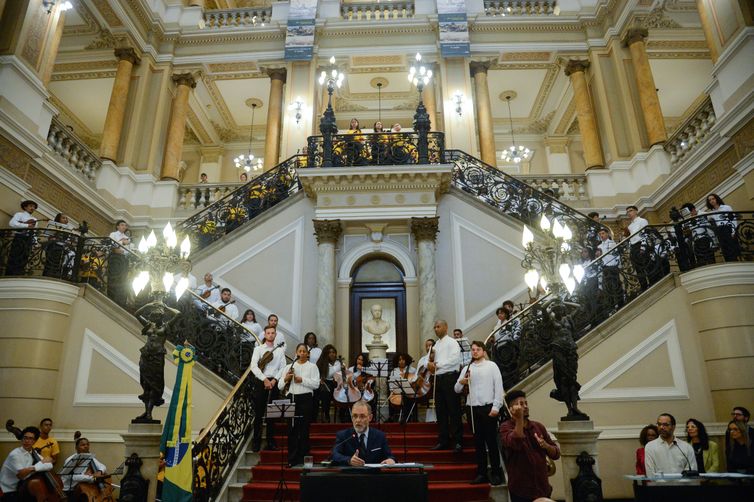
x,y
576,65
327,231
184,79
127,54
634,35
425,229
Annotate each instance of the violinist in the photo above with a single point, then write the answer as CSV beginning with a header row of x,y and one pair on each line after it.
x,y
266,370
482,380
402,370
96,471
359,378
298,380
21,463
328,366
209,291
226,305
46,445
445,368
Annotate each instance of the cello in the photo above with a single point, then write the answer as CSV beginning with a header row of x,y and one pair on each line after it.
x,y
344,393
42,486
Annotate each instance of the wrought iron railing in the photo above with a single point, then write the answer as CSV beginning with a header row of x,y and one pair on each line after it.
x,y
691,132
377,149
242,205
614,279
505,8
72,150
516,198
371,11
236,18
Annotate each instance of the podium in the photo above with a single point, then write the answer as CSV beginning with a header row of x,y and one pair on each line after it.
x,y
366,484
705,488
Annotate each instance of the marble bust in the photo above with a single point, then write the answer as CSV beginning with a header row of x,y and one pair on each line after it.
x,y
376,326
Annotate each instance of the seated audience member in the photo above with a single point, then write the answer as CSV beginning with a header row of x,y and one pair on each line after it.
x,y
738,449
667,454
705,451
360,444
647,434
21,463
725,226
96,471
400,406
46,445
249,321
225,304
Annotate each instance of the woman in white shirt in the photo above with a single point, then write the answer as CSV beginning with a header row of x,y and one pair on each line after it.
x,y
298,381
724,221
249,321
402,370
328,366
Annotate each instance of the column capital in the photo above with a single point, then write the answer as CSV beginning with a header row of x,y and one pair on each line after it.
x,y
479,67
634,35
327,231
575,66
127,54
276,73
425,228
186,79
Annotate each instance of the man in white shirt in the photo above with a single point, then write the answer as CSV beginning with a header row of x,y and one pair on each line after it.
x,y
209,291
20,248
98,469
272,320
485,386
667,454
445,368
21,463
265,385
638,253
226,306
611,285
117,266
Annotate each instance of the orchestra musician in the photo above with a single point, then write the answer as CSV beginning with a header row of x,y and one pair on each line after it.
x,y
117,267
328,366
209,291
22,243
46,445
96,471
445,370
298,380
272,320
359,444
358,377
400,406
226,305
482,380
421,381
266,371
22,463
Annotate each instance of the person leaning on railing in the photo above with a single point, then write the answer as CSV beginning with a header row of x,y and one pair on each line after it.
x,y
59,249
23,242
725,224
117,263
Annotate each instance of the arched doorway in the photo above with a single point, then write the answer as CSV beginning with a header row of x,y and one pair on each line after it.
x,y
378,280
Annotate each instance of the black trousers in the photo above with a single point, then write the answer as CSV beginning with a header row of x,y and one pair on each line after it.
x,y
639,261
485,440
298,428
448,404
325,399
18,256
263,396
117,276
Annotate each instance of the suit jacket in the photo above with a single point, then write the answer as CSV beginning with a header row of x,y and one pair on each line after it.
x,y
377,447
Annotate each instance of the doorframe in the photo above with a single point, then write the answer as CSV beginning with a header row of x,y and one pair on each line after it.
x,y
365,290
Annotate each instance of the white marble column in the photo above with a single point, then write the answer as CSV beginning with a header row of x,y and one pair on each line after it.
x,y
327,232
425,231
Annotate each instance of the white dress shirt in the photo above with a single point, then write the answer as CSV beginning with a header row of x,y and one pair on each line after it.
x,y
309,374
673,458
255,328
397,373
314,354
119,237
272,370
70,481
18,459
332,369
724,219
422,363
21,220
612,260
230,309
485,384
447,355
214,295
634,227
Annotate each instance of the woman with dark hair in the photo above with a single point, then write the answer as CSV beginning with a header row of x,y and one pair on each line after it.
x,y
707,459
299,380
310,339
328,365
738,451
249,321
400,406
647,434
724,222
363,381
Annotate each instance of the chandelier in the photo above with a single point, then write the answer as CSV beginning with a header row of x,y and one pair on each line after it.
x,y
514,153
550,264
162,262
419,75
247,161
49,5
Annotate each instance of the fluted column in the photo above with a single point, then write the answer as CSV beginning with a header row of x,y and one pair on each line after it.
x,y
425,231
483,112
274,110
585,112
177,127
430,103
327,233
650,103
116,110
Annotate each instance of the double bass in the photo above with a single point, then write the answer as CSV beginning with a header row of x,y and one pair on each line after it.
x,y
42,486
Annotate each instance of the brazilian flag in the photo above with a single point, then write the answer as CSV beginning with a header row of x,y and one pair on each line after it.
x,y
176,435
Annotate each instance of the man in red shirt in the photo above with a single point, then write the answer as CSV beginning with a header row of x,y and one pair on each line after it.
x,y
526,444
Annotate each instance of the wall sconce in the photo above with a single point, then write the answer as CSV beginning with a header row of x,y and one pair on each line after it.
x,y
297,106
458,100
49,5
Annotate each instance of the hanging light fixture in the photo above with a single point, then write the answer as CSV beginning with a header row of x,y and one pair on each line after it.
x,y
247,161
49,5
514,153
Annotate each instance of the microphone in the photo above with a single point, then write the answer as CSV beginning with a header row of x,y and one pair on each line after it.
x,y
687,473
337,445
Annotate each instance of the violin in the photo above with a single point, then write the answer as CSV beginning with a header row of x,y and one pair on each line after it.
x,y
292,373
267,357
221,308
364,384
344,393
207,293
422,385
465,390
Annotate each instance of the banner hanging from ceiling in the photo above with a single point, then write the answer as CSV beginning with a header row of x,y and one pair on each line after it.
x,y
454,28
299,36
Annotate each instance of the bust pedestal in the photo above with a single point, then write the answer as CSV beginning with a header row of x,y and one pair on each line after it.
x,y
144,440
377,349
574,437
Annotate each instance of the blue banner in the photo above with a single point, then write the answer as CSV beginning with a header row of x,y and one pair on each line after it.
x,y
454,35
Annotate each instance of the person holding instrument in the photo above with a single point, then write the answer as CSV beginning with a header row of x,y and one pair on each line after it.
x,y
226,305
94,474
402,370
482,380
360,445
445,368
267,361
21,464
299,379
328,365
209,292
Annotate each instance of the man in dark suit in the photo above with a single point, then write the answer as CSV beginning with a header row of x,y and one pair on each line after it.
x,y
361,445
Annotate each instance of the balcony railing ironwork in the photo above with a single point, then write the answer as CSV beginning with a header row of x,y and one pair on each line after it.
x,y
236,18
376,11
72,150
377,149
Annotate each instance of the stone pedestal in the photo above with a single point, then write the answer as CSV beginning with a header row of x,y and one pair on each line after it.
x,y
377,349
144,440
575,437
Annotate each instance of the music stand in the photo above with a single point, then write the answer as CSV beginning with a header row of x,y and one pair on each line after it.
x,y
76,466
408,392
281,408
465,349
378,368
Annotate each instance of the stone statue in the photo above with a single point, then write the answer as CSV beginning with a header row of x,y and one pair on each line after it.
x,y
152,359
376,326
565,358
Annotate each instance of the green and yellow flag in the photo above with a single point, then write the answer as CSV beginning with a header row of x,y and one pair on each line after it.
x,y
176,435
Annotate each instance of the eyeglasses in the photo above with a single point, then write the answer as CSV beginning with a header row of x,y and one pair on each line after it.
x,y
736,414
664,424
29,438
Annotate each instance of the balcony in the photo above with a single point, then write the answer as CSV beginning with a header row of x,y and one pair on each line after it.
x,y
236,18
565,187
72,150
377,11
505,8
691,133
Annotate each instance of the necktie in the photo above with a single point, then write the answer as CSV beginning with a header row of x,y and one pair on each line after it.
x,y
362,447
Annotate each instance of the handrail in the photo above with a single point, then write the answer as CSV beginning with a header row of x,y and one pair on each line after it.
x,y
691,132
73,150
227,317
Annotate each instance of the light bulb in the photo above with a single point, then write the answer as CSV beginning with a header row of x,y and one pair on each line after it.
x,y
181,287
531,278
185,247
151,240
565,271
143,247
567,234
332,59
528,237
557,228
570,284
167,280
418,57
136,285
543,282
544,223
578,272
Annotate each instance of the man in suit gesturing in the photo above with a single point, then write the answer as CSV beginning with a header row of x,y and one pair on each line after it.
x,y
361,445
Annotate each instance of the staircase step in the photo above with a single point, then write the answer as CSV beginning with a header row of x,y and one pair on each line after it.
x,y
421,455
458,473
394,439
388,428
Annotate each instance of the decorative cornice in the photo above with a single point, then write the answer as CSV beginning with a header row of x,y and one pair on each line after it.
x,y
479,67
576,65
722,275
634,35
327,231
127,54
276,73
29,288
184,79
425,229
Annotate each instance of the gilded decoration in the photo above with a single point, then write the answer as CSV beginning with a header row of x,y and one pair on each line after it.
x,y
425,228
103,40
85,66
657,19
127,54
327,231
37,21
372,61
59,77
233,67
107,13
525,56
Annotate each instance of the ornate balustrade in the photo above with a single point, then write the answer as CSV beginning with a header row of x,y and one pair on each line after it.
x,y
566,187
691,132
201,195
236,18
72,150
376,149
368,11
612,280
521,8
